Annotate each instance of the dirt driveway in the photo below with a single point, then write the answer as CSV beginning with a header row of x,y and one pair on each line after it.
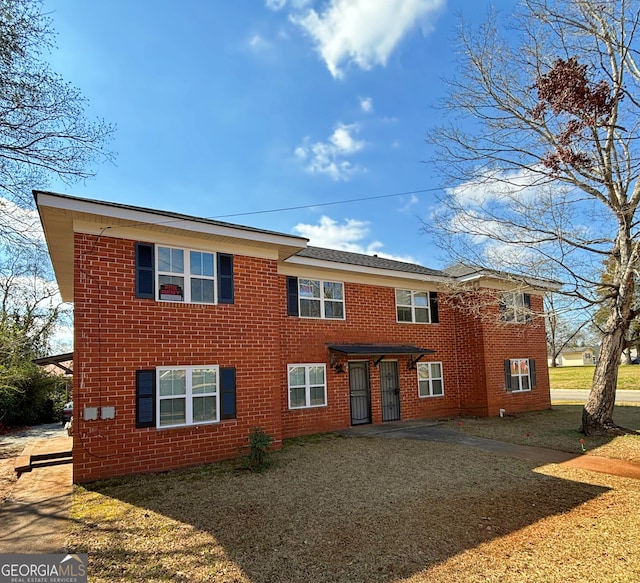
x,y
12,445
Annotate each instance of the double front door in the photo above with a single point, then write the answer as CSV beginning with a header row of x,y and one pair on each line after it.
x,y
390,390
360,391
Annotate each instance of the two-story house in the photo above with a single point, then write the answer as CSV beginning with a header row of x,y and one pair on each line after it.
x,y
190,332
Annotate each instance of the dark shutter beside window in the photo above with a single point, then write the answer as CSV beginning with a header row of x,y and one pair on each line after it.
x,y
507,375
225,278
292,296
527,307
532,372
228,393
433,307
145,398
145,277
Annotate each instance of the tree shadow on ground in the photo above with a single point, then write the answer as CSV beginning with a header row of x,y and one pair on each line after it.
x,y
343,510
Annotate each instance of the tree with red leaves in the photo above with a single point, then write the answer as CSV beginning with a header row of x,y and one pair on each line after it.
x,y
541,148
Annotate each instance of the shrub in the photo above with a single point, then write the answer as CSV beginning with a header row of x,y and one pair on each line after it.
x,y
258,456
28,395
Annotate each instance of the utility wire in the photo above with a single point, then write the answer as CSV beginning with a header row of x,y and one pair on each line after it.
x,y
335,202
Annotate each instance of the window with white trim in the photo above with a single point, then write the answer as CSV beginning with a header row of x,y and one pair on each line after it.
x,y
430,381
187,395
185,275
307,385
515,307
321,299
413,306
519,377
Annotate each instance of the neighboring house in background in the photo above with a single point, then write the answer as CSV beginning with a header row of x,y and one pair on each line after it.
x,y
190,332
577,356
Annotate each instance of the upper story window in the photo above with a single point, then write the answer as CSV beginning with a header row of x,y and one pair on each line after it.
x,y
416,306
314,298
183,275
515,307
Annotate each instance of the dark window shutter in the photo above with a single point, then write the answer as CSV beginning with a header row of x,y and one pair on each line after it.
x,y
145,276
527,306
227,393
292,296
433,307
532,372
225,278
507,375
145,398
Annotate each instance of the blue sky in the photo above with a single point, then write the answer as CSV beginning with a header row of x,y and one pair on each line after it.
x,y
228,107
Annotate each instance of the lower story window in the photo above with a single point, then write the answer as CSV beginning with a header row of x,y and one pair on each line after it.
x,y
430,383
187,395
307,385
520,374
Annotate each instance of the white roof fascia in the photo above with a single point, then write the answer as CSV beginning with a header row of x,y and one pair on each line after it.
x,y
532,282
150,218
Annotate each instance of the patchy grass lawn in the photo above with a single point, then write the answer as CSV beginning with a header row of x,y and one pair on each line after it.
x,y
557,428
580,377
350,510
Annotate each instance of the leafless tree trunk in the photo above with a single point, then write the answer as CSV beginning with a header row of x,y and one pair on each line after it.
x,y
545,183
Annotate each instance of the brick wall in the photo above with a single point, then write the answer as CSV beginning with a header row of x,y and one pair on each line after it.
x,y
117,334
472,350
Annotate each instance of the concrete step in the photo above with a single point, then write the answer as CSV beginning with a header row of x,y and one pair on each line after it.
x,y
28,461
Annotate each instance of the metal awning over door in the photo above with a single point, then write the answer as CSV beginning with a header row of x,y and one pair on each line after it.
x,y
376,351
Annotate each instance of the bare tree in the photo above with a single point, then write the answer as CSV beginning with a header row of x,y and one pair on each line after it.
x,y
544,171
30,305
43,130
566,326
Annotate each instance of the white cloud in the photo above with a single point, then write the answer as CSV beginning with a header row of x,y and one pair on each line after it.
x,y
497,187
366,104
329,157
348,236
258,44
409,204
296,5
276,4
364,32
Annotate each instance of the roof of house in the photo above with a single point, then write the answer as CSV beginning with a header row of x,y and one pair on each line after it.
x,y
178,217
60,213
373,261
462,272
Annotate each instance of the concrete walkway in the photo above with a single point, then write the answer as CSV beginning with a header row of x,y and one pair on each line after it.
x,y
431,431
34,517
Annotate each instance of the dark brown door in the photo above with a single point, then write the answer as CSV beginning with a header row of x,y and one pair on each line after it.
x,y
360,393
390,387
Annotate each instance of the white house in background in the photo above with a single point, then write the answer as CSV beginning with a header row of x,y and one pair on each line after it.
x,y
577,356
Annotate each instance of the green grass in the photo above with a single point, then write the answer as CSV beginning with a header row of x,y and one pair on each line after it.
x,y
580,377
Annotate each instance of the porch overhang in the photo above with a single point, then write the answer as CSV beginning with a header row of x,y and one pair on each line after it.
x,y
377,351
57,361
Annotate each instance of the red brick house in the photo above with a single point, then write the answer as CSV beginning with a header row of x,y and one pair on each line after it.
x,y
190,332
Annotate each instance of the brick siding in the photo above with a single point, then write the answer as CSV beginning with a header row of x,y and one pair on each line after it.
x,y
117,334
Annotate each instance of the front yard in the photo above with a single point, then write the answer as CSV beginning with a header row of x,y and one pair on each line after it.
x,y
580,377
335,509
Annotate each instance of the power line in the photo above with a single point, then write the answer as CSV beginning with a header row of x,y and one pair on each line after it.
x,y
335,202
